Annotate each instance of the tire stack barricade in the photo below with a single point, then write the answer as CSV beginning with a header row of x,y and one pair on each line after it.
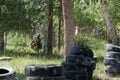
x,y
79,64
7,73
43,72
112,60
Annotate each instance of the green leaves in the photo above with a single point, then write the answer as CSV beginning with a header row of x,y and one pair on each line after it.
x,y
19,15
87,13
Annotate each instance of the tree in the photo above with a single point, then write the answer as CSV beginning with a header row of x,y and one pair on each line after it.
x,y
68,25
60,25
110,26
1,41
50,27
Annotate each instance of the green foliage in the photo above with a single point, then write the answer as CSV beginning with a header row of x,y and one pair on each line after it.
x,y
18,39
57,8
80,39
90,41
21,15
87,15
13,16
114,10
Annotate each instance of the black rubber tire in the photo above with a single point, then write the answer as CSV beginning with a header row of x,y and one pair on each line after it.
x,y
111,47
43,70
90,70
114,54
92,66
110,61
81,50
72,66
75,75
112,70
7,73
44,78
79,59
90,74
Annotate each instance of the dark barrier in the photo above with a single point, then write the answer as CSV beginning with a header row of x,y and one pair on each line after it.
x,y
79,64
112,60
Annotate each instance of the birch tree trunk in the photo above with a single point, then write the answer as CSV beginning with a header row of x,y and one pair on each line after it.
x,y
109,24
68,25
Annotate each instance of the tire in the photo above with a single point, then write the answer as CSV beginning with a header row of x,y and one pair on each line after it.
x,y
66,64
111,61
90,70
92,65
75,75
111,47
43,70
115,69
90,74
114,54
112,70
72,66
81,50
7,73
44,78
79,60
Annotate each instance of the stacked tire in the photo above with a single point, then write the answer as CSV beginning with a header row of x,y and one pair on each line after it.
x,y
43,72
79,64
7,73
112,60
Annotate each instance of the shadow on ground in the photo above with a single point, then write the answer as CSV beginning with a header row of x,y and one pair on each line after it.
x,y
13,53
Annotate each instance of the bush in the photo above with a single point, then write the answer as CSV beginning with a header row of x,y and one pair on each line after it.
x,y
90,41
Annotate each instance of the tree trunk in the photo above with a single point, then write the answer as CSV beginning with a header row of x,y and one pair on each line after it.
x,y
109,24
1,41
50,27
59,35
68,25
45,30
59,27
